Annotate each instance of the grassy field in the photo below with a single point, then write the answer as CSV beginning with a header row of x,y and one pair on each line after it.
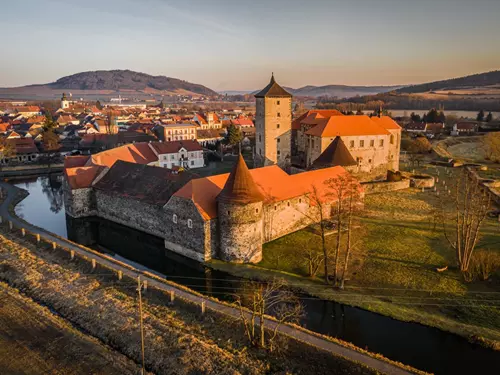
x,y
393,268
473,151
177,339
35,341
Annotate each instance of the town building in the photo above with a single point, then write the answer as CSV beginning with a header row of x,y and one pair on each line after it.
x,y
464,128
178,132
210,120
185,154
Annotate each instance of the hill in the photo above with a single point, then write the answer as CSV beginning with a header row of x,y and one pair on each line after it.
x,y
341,91
468,82
110,82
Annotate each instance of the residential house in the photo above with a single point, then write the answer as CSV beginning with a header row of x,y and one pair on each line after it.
x,y
464,128
210,120
186,154
178,132
25,150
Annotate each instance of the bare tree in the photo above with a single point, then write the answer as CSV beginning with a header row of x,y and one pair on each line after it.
x,y
7,150
259,300
465,213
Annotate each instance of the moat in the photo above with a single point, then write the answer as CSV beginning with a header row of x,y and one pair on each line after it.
x,y
423,347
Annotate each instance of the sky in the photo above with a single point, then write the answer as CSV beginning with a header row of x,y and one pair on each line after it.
x,y
235,44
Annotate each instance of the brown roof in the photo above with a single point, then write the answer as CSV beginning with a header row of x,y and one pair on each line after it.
x,y
240,187
153,185
175,146
335,154
273,89
23,145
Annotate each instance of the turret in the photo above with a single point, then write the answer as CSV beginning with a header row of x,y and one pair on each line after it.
x,y
240,215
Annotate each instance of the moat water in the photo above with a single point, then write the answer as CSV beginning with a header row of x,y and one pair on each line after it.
x,y
425,348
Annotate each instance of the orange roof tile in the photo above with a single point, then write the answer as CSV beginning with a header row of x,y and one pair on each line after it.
x,y
321,112
75,161
82,177
346,126
273,182
386,122
139,153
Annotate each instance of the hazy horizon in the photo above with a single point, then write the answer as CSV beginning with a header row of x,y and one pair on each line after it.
x,y
231,46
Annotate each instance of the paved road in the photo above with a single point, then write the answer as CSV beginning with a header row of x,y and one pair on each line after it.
x,y
319,342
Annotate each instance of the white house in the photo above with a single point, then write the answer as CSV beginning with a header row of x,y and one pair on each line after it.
x,y
187,154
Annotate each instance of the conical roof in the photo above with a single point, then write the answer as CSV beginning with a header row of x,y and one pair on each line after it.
x,y
273,89
335,154
240,187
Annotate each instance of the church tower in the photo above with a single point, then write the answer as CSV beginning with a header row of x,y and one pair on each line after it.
x,y
273,126
64,101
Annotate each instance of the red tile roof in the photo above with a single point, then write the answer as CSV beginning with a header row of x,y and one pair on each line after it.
x,y
75,161
23,145
386,122
139,153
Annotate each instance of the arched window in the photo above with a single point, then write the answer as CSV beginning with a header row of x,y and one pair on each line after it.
x,y
190,223
174,218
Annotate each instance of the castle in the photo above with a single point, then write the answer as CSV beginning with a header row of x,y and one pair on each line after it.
x,y
230,216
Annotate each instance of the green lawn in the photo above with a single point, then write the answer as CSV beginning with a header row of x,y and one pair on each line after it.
x,y
393,267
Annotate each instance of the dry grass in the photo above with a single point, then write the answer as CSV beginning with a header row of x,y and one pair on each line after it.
x,y
178,339
33,341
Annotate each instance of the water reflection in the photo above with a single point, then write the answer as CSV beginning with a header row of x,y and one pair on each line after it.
x,y
423,347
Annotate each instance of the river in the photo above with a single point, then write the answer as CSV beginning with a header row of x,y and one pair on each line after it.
x,y
414,344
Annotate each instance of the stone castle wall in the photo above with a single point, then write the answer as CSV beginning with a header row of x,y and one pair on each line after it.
x,y
191,236
79,202
384,186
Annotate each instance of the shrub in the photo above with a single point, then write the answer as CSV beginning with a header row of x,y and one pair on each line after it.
x,y
483,264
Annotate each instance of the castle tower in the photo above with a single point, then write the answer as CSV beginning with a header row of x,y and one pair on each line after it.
x,y
240,215
273,123
64,101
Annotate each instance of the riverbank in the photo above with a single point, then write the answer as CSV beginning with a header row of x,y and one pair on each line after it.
x,y
23,171
393,268
331,345
106,308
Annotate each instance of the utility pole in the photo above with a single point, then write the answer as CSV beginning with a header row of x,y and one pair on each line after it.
x,y
139,286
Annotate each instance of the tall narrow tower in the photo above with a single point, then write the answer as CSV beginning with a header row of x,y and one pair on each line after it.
x,y
273,123
64,101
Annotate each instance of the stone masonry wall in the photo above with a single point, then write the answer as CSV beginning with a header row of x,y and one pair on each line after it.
x,y
290,216
139,215
79,202
191,235
384,186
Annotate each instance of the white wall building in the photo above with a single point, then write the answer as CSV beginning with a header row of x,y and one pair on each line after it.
x,y
187,154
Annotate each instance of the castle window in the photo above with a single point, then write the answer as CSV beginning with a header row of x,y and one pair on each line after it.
x,y
275,207
278,126
260,138
362,143
288,204
369,160
372,142
300,200
190,223
256,210
278,102
278,140
278,152
392,139
229,212
381,143
174,218
279,114
351,144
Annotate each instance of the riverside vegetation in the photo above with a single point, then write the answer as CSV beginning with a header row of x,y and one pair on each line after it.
x,y
100,305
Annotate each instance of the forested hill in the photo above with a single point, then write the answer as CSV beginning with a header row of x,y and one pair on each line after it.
x,y
475,80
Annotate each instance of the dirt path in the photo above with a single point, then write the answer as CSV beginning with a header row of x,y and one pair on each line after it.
x,y
34,341
322,343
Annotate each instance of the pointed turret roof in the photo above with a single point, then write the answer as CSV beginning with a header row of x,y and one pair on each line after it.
x,y
273,89
336,154
240,187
